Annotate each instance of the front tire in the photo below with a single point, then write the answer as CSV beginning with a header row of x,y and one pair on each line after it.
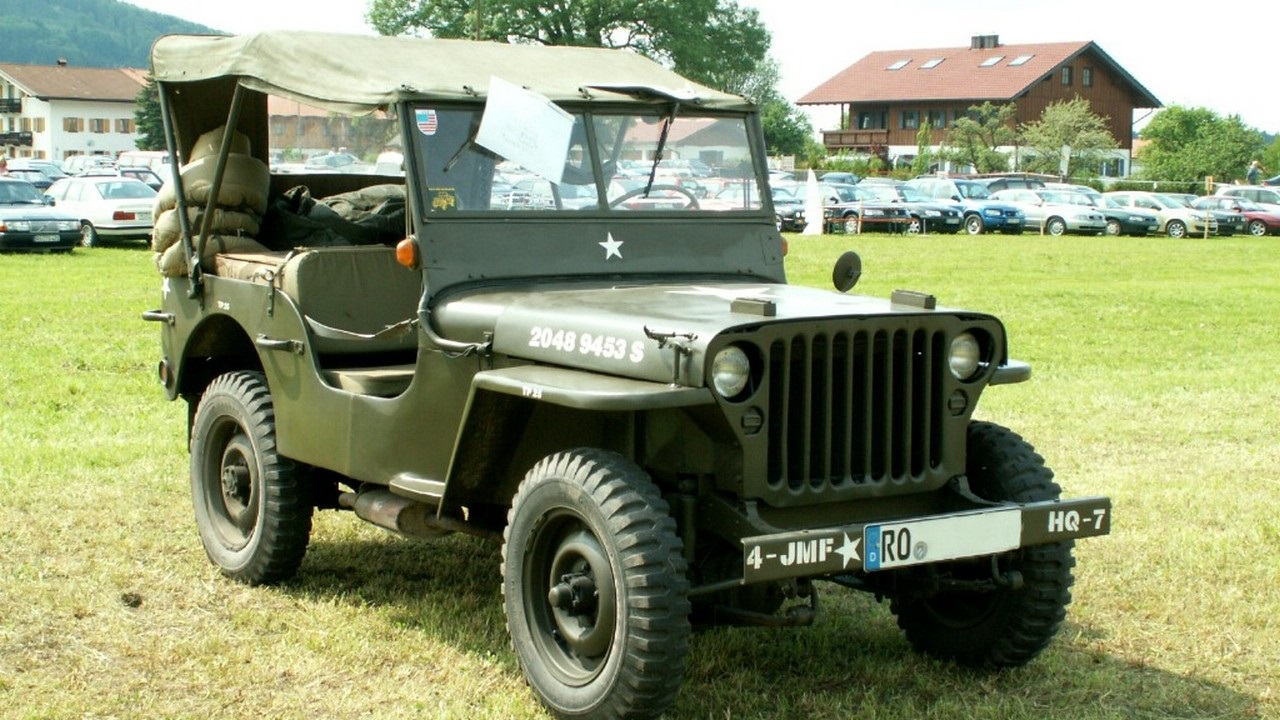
x,y
1113,228
973,225
253,516
1176,229
1003,627
1056,226
595,588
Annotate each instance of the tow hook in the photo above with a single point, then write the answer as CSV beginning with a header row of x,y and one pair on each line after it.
x,y
1011,580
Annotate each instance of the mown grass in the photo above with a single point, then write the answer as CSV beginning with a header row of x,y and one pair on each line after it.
x,y
1155,383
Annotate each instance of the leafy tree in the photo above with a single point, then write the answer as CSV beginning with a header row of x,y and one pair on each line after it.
x,y
975,139
148,119
924,140
1071,123
709,41
1185,143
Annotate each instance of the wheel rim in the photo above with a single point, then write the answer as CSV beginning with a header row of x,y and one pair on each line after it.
x,y
1057,227
914,227
1177,230
1113,227
231,484
973,225
571,598
1257,228
88,237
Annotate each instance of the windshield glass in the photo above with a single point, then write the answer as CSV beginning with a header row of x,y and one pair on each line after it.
x,y
973,191
639,162
19,193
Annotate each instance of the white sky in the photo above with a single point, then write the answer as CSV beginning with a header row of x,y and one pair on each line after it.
x,y
1183,57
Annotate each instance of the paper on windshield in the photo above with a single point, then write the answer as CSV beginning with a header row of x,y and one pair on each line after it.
x,y
527,128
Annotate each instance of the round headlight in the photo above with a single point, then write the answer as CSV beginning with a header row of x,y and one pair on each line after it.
x,y
730,371
966,356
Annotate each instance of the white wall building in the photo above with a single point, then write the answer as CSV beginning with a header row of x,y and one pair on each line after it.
x,y
52,112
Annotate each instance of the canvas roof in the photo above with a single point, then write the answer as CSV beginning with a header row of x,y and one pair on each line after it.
x,y
356,74
66,82
960,74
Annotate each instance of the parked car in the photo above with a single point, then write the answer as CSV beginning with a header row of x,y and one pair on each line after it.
x,y
116,208
788,205
33,176
862,210
926,215
981,213
1266,196
77,164
48,167
1176,219
137,172
1055,212
337,162
157,160
1259,220
846,178
1230,222
28,223
1012,181
1123,220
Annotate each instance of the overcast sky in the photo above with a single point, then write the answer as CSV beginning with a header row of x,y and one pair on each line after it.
x,y
1180,58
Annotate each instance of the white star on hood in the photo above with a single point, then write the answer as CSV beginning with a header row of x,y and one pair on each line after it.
x,y
612,248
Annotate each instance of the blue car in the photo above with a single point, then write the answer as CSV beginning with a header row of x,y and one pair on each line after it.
x,y
981,213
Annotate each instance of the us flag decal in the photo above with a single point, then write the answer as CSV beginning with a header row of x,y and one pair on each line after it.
x,y
427,121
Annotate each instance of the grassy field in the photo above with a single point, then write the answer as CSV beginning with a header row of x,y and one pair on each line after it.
x,y
1155,383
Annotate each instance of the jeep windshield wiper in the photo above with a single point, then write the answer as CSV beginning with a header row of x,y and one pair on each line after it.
x,y
662,144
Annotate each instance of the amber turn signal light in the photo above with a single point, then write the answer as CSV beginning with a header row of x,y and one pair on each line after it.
x,y
407,253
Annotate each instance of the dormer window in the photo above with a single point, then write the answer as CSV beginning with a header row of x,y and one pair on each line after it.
x,y
899,65
992,60
930,64
1020,60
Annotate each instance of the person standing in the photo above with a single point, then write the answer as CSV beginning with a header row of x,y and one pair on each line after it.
x,y
1255,170
4,165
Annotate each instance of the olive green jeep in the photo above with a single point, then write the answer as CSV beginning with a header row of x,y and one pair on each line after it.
x,y
553,313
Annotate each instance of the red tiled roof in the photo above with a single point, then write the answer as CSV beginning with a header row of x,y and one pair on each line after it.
x,y
64,82
959,74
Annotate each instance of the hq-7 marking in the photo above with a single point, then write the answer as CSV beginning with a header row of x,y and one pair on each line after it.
x,y
601,346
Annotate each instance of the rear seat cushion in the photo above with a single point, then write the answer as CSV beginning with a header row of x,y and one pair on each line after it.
x,y
245,183
167,230
173,263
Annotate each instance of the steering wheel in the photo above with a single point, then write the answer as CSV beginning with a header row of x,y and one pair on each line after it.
x,y
693,199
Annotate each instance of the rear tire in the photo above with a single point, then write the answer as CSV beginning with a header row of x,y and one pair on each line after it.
x,y
1005,627
253,516
1257,228
89,235
595,588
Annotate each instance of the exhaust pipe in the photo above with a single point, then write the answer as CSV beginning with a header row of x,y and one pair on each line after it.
x,y
403,516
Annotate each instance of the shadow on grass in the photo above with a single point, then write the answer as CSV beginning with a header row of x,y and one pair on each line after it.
x,y
853,662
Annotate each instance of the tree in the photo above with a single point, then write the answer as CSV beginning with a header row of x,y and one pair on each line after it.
x,y
976,138
924,140
147,116
1190,143
708,41
1069,123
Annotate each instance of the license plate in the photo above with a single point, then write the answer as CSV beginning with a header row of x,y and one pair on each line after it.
x,y
143,216
1015,221
900,544
47,238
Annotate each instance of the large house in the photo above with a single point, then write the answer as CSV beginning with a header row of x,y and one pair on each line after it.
x,y
887,95
52,112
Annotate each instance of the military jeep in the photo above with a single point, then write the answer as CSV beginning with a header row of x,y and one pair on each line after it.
x,y
565,340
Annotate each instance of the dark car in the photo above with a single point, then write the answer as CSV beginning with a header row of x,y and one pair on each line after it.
x,y
846,178
861,210
927,216
28,223
1259,220
981,213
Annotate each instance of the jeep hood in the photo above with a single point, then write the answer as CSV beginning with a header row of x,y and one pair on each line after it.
x,y
630,330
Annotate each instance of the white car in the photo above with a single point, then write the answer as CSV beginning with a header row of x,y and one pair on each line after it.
x,y
1269,197
1176,220
115,208
1054,211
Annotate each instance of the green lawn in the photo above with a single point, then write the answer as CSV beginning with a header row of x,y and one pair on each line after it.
x,y
1154,382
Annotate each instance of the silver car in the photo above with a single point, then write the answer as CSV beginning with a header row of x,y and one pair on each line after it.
x,y
1054,212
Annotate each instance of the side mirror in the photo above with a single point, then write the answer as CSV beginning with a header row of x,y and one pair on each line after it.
x,y
847,272
48,200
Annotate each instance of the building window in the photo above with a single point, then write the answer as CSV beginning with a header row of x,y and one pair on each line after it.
x,y
992,60
930,64
910,120
73,125
872,120
1020,60
99,125
1066,75
1086,77
39,125
125,126
899,65
937,118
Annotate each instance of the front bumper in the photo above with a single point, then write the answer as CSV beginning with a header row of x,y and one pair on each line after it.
x,y
871,547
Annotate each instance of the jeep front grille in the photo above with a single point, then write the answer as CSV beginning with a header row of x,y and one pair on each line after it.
x,y
852,408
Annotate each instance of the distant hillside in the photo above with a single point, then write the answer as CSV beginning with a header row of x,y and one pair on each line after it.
x,y
86,33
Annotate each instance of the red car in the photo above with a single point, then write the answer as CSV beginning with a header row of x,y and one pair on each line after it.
x,y
1259,220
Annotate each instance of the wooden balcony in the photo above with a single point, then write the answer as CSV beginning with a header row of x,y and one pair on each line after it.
x,y
10,105
863,140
